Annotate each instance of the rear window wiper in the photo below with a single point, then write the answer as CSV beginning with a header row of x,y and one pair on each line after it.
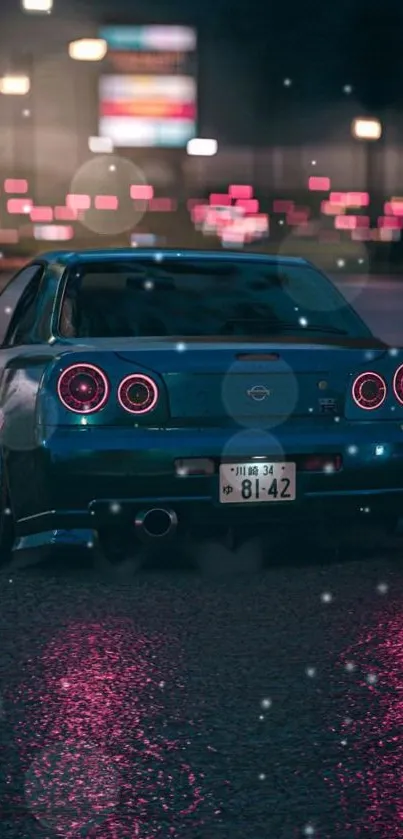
x,y
277,326
334,330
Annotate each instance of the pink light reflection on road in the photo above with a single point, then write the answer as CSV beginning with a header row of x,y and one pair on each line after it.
x,y
103,743
368,778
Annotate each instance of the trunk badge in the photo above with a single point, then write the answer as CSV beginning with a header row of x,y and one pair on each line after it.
x,y
258,393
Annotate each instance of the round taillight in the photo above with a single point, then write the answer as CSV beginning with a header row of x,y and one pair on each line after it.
x,y
138,394
369,391
398,384
83,388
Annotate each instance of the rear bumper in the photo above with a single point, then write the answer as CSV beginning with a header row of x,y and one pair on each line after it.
x,y
81,476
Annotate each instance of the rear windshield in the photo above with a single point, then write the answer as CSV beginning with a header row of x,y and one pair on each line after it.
x,y
203,297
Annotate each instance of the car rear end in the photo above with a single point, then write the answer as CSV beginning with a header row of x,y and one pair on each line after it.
x,y
153,435
215,438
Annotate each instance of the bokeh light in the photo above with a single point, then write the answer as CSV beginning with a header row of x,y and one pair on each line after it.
x,y
103,189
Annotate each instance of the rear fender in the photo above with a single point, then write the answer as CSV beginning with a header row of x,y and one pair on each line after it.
x,y
51,412
20,385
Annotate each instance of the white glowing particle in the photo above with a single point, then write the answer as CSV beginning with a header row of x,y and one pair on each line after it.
x,y
262,776
287,82
115,507
372,679
349,666
181,346
8,310
302,321
148,285
326,597
311,672
266,703
313,162
382,588
393,352
161,684
352,450
347,89
337,419
90,544
343,742
281,221
309,830
159,257
341,263
328,468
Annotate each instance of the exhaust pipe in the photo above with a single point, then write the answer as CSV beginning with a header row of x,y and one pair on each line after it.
x,y
157,523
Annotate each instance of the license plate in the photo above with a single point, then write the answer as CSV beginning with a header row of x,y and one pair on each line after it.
x,y
241,483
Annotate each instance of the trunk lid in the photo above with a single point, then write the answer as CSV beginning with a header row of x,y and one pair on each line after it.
x,y
250,382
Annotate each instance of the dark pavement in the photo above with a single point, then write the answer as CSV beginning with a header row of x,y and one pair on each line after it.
x,y
178,706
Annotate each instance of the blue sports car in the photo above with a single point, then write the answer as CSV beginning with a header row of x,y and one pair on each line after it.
x,y
149,395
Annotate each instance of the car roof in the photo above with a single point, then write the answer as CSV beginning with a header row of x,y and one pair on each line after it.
x,y
67,258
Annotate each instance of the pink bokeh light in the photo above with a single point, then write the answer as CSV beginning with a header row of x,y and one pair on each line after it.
x,y
15,185
41,214
106,202
143,192
78,202
319,184
240,191
19,206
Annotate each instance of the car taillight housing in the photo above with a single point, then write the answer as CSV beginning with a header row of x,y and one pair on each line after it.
x,y
398,384
138,394
83,388
369,391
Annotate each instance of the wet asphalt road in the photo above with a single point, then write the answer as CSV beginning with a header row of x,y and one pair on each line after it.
x,y
174,705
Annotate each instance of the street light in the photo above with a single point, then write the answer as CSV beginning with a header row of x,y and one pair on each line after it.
x,y
88,49
12,85
364,128
202,147
100,145
37,5
368,130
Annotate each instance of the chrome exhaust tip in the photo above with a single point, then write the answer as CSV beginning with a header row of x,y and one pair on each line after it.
x,y
157,523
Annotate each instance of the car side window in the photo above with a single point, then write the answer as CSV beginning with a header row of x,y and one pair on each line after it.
x,y
26,310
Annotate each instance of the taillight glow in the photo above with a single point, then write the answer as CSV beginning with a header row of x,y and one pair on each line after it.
x,y
398,384
320,463
83,388
138,394
369,391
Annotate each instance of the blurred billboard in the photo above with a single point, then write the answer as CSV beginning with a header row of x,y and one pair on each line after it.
x,y
148,97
